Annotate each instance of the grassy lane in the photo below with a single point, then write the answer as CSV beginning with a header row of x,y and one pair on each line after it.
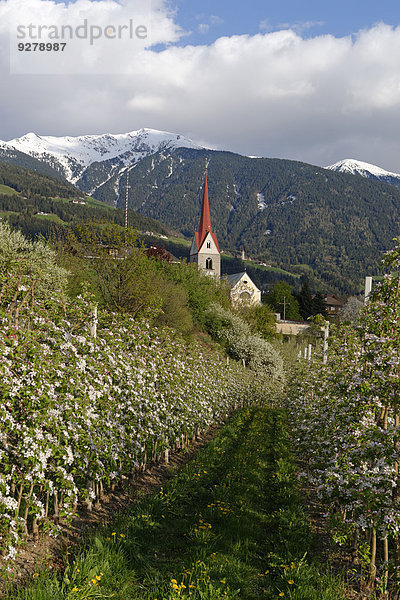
x,y
229,525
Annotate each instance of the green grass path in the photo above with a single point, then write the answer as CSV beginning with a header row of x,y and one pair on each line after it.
x,y
228,525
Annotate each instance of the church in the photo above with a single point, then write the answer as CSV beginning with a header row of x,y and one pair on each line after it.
x,y
205,250
206,254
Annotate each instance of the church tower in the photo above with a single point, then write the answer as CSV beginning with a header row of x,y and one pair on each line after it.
x,y
205,250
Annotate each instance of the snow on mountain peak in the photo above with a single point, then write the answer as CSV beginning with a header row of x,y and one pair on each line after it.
x,y
75,154
358,167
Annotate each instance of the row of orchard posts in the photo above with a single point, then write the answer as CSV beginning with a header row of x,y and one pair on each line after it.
x,y
307,352
56,500
59,490
157,454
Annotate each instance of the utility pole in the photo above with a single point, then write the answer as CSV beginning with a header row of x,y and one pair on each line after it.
x,y
284,307
126,205
127,193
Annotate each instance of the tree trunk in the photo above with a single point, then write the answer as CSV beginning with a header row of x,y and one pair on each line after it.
x,y
386,566
372,564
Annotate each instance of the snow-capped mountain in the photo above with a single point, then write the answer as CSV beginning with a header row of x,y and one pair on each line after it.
x,y
357,167
73,156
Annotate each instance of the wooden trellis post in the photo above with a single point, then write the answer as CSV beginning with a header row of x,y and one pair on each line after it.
x,y
93,324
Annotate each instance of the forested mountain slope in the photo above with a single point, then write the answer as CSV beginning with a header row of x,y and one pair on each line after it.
x,y
35,203
286,213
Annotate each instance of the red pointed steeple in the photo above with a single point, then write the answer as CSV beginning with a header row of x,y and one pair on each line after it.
x,y
205,220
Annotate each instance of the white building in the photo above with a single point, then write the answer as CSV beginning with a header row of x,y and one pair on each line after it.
x,y
244,291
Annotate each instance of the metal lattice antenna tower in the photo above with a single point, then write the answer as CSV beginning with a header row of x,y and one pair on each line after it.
x,y
127,193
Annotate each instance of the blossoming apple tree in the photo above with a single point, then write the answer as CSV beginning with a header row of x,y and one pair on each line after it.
x,y
347,423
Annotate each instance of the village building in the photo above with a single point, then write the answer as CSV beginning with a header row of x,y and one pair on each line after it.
x,y
334,304
243,290
291,327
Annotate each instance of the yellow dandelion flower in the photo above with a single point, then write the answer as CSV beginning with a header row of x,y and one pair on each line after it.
x,y
113,533
290,582
281,594
78,570
122,535
75,589
98,577
94,580
173,581
176,587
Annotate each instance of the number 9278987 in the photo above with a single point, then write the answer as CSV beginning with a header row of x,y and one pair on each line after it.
x,y
41,46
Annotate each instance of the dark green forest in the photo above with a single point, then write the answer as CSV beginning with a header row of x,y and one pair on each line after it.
x,y
30,183
11,156
38,193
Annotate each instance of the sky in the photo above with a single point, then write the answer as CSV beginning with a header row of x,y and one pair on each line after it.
x,y
317,17
312,81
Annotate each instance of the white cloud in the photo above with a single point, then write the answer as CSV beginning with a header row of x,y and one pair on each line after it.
x,y
203,28
216,20
299,27
315,99
101,37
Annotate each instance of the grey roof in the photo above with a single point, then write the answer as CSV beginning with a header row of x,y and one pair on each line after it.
x,y
235,278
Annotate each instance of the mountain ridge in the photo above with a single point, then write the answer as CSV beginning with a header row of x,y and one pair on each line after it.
x,y
72,156
76,158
